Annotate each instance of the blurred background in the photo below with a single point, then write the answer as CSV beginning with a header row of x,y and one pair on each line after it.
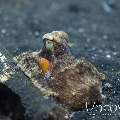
x,y
93,27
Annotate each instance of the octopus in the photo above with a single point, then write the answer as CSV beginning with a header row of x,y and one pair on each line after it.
x,y
57,73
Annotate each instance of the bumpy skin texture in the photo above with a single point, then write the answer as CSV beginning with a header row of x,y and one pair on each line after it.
x,y
72,82
77,84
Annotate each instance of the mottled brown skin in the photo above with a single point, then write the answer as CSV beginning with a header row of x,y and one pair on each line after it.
x,y
77,85
74,82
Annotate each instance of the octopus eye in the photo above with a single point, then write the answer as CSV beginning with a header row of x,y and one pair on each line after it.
x,y
50,45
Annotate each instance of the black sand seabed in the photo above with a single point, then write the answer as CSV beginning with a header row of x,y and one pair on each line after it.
x,y
94,30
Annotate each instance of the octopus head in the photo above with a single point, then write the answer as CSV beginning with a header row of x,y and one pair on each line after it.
x,y
56,42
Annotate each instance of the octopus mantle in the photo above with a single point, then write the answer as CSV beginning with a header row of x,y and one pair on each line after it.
x,y
73,86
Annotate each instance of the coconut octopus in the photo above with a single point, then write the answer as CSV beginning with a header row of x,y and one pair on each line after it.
x,y
56,72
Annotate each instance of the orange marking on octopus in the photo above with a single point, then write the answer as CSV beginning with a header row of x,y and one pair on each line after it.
x,y
45,65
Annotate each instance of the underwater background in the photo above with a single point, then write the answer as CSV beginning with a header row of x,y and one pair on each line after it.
x,y
94,30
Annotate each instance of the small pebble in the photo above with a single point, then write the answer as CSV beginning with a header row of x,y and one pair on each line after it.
x,y
37,33
115,53
100,51
88,40
3,31
108,85
108,56
106,7
81,30
2,58
0,54
105,37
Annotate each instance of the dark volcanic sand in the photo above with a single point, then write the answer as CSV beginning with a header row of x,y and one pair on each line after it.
x,y
94,30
